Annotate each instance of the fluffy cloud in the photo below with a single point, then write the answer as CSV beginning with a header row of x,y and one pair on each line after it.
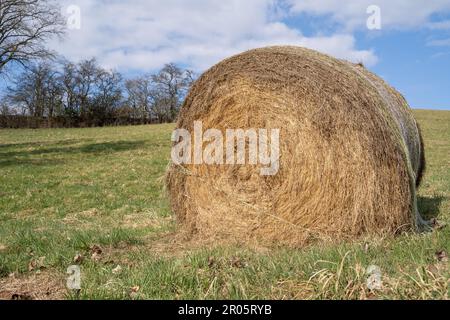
x,y
352,14
145,34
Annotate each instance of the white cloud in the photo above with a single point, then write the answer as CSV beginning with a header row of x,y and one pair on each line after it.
x,y
143,35
439,25
351,14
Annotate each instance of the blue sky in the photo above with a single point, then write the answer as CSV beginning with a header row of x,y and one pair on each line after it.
x,y
421,72
411,50
414,60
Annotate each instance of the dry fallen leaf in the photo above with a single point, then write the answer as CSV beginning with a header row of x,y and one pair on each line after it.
x,y
441,256
78,258
96,252
96,249
238,262
134,292
211,262
437,225
31,265
36,264
371,296
134,289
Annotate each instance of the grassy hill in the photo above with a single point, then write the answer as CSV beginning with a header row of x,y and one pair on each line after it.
x,y
94,197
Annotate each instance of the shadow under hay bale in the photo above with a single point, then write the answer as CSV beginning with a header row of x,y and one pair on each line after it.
x,y
429,207
350,152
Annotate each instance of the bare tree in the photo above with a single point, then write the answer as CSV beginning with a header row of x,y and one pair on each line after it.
x,y
22,93
38,90
139,96
85,82
108,95
69,88
132,96
4,109
170,87
54,94
25,26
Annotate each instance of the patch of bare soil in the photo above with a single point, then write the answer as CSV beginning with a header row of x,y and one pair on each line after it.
x,y
35,286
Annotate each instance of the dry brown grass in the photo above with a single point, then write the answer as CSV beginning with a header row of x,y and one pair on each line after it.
x,y
42,285
348,280
349,152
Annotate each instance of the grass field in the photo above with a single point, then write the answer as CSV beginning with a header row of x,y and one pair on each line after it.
x,y
94,197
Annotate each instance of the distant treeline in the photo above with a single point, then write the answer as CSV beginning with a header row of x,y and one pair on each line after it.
x,y
66,94
20,121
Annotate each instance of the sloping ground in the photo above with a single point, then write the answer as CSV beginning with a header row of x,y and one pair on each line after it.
x,y
94,197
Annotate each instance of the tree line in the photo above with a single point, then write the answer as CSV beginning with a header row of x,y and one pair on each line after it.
x,y
55,92
85,94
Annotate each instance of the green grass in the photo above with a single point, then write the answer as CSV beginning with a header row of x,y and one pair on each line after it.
x,y
64,190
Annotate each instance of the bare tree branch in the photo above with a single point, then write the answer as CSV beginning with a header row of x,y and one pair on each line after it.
x,y
25,26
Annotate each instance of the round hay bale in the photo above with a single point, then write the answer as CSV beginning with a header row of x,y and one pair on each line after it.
x,y
350,152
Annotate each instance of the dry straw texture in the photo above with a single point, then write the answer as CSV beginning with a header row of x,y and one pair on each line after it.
x,y
350,152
